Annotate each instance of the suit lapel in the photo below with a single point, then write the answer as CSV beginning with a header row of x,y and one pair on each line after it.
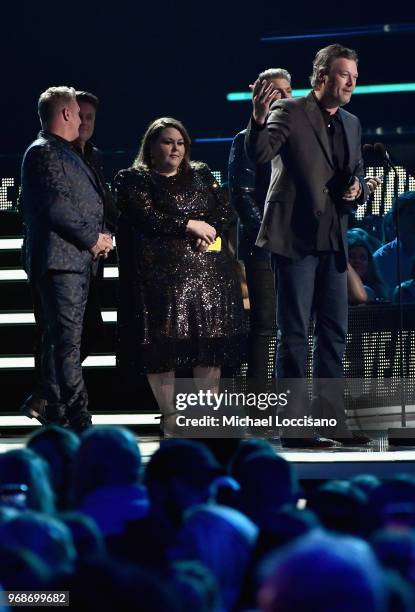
x,y
91,175
315,117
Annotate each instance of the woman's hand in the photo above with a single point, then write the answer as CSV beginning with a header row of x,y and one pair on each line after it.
x,y
202,230
201,245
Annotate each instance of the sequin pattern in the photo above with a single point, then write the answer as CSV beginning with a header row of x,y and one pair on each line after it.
x,y
178,307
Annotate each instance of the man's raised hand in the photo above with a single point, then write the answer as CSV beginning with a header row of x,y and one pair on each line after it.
x,y
263,94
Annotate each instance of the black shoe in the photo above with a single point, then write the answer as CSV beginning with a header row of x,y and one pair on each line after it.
x,y
312,442
168,428
355,439
59,422
34,407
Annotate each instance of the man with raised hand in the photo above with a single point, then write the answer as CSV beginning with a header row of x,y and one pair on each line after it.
x,y
304,227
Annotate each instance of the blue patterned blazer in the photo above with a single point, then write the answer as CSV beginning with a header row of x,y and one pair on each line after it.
x,y
62,207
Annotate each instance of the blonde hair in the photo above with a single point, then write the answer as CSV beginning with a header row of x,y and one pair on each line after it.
x,y
52,100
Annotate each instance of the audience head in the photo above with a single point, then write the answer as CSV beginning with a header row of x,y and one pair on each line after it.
x,y
340,506
356,233
44,536
365,482
24,467
246,449
268,482
395,550
58,447
399,592
179,475
282,528
321,572
388,227
59,112
196,585
405,204
165,147
107,456
86,536
22,569
108,584
222,538
392,503
361,259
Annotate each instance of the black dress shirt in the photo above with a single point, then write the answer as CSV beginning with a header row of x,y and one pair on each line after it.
x,y
329,232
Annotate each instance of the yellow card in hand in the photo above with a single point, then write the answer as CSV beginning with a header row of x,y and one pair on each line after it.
x,y
217,245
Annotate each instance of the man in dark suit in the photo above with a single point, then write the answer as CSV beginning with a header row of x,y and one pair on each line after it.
x,y
305,225
248,187
62,208
93,329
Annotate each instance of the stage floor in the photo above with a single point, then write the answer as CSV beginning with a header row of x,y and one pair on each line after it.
x,y
378,459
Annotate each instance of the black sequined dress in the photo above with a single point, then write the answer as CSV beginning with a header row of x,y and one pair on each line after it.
x,y
178,307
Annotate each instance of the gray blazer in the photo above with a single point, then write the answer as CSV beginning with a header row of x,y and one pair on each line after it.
x,y
300,191
62,207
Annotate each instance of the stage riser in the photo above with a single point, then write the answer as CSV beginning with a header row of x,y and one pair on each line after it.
x,y
17,296
107,392
20,339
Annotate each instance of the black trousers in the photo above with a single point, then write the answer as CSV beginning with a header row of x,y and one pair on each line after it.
x,y
315,285
262,299
60,299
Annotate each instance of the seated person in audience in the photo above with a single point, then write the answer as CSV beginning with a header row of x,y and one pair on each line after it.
x,y
22,466
321,572
58,447
106,479
386,256
370,239
388,227
223,539
407,289
364,282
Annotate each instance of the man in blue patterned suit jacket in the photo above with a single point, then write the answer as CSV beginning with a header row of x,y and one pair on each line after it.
x,y
62,207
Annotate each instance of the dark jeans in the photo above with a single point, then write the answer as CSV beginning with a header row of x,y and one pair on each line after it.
x,y
261,286
62,297
314,285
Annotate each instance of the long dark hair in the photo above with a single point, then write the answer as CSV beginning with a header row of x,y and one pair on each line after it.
x,y
372,277
143,158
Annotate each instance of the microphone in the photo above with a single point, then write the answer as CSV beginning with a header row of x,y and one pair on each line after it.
x,y
380,151
367,150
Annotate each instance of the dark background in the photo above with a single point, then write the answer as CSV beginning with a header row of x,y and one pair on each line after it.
x,y
149,59
145,60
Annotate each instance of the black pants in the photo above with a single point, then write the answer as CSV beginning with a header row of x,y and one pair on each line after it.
x,y
313,285
60,299
261,286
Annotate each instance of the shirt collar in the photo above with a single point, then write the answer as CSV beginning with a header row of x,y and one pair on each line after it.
x,y
325,112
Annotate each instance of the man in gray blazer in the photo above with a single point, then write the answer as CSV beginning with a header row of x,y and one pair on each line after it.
x,y
62,208
304,226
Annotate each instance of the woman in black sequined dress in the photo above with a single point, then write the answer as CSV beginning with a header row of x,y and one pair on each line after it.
x,y
180,299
